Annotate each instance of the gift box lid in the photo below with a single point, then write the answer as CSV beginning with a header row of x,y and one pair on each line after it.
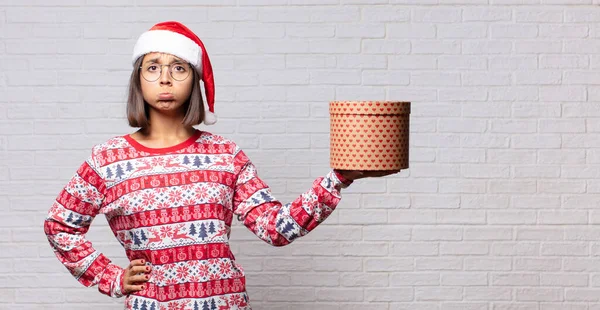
x,y
369,107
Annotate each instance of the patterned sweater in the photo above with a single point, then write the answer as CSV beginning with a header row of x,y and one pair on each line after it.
x,y
173,207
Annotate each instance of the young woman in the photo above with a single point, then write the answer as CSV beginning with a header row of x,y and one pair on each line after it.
x,y
170,191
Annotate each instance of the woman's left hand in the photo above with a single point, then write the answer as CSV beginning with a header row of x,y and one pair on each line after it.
x,y
360,174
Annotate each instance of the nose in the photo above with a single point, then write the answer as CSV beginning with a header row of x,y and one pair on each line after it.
x,y
165,76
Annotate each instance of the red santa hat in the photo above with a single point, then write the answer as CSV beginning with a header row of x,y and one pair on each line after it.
x,y
176,39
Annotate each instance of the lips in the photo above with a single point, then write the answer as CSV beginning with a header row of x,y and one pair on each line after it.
x,y
166,96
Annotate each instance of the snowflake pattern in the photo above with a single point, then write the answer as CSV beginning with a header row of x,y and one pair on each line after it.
x,y
175,210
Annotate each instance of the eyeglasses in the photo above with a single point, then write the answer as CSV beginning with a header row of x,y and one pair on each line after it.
x,y
151,72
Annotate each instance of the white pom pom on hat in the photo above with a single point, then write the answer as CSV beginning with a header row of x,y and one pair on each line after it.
x,y
176,39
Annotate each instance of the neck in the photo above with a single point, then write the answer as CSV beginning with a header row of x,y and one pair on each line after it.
x,y
166,127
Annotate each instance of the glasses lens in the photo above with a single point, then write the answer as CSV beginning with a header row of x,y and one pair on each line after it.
x,y
179,71
151,72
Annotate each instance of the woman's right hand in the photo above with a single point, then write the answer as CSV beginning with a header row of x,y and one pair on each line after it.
x,y
135,276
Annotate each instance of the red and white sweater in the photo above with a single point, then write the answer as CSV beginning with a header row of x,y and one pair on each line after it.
x,y
173,207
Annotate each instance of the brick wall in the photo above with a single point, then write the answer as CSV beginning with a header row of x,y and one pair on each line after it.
x,y
498,211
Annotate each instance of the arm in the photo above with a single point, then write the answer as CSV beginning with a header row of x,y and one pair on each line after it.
x,y
279,224
67,223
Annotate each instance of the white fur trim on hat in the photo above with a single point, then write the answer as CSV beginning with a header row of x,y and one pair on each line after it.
x,y
169,42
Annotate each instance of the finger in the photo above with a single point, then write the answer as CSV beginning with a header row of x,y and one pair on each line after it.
x,y
139,269
133,288
137,262
137,279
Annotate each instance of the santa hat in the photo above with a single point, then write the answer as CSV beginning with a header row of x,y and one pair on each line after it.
x,y
176,39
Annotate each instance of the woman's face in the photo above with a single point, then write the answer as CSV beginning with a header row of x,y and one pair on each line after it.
x,y
166,90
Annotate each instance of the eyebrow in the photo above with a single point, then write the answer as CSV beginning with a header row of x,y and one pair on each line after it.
x,y
156,59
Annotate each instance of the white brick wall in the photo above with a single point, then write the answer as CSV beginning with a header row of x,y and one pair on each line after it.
x,y
496,213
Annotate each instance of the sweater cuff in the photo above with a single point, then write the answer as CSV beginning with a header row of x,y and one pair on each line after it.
x,y
111,282
344,182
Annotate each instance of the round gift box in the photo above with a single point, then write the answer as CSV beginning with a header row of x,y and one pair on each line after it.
x,y
369,135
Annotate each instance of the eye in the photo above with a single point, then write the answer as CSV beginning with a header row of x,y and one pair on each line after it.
x,y
179,67
152,68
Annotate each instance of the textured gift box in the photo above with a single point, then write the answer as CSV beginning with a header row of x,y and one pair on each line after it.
x,y
369,135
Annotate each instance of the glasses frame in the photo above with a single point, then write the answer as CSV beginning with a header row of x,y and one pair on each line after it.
x,y
170,72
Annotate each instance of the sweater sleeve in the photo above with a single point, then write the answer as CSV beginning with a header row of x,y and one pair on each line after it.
x,y
68,221
276,223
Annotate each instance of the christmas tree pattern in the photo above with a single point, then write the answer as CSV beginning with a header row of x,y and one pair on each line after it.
x,y
176,218
119,172
202,232
197,162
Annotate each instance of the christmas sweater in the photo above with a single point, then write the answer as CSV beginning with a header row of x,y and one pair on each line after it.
x,y
173,207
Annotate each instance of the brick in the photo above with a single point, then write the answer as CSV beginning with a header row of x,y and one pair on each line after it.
x,y
487,201
513,93
371,201
335,77
387,233
485,171
511,217
564,61
487,293
339,294
410,31
385,46
424,233
364,249
563,217
486,79
562,187
487,233
477,47
385,78
582,295
445,47
435,79
389,294
438,293
510,157
372,31
307,279
537,15
514,279
384,13
462,31
362,61
464,279
428,263
538,77
362,280
335,14
499,31
415,279
515,249
537,141
389,264
298,294
538,264
438,15
564,249
412,62
461,155
463,248
581,15
435,202
487,264
538,294
488,14
516,62
457,62
541,234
